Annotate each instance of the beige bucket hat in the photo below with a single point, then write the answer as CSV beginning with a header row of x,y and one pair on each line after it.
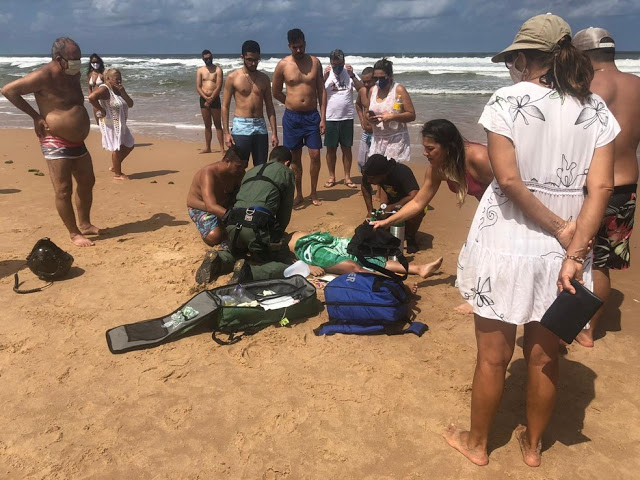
x,y
542,32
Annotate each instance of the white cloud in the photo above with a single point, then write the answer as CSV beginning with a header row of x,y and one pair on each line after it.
x,y
358,25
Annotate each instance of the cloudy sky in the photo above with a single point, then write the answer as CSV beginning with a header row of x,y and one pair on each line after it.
x,y
386,26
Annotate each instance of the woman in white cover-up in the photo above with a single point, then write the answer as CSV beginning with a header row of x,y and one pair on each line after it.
x,y
548,138
112,103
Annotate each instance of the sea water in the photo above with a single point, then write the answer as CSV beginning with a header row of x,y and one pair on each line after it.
x,y
451,86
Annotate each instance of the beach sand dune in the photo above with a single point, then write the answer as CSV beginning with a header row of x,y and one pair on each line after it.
x,y
282,403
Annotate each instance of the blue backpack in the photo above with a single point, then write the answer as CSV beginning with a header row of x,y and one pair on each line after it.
x,y
366,303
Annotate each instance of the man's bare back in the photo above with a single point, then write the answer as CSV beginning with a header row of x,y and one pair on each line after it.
x,y
212,185
621,93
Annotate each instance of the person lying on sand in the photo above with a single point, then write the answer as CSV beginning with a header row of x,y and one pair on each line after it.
x,y
320,249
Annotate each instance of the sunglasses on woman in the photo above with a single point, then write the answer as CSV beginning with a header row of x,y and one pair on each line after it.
x,y
509,58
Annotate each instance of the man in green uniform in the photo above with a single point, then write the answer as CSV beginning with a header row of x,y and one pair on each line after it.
x,y
256,224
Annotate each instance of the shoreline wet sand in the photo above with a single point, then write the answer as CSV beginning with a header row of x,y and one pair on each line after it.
x,y
282,403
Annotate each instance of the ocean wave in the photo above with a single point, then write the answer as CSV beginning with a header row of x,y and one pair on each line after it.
x,y
428,64
179,126
446,91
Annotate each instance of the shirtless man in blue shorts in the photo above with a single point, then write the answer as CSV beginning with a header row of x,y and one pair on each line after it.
x,y
301,123
251,90
211,192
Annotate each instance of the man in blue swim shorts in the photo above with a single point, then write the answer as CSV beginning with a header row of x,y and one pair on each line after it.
x,y
251,90
302,124
211,192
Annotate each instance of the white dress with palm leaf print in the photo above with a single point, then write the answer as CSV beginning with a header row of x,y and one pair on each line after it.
x,y
508,267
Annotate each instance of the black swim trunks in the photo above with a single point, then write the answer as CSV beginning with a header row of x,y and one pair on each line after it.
x,y
612,240
215,105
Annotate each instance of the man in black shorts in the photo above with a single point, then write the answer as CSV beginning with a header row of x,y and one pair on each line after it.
x,y
399,185
208,85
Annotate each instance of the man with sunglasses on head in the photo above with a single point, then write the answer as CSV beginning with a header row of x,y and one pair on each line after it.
x,y
621,93
61,124
209,85
301,122
251,90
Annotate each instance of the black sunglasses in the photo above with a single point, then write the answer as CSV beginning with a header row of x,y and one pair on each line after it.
x,y
509,58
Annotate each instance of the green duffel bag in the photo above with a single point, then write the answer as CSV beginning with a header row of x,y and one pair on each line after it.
x,y
253,306
235,310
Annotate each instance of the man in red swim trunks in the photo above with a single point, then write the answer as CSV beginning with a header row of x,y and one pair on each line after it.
x,y
62,124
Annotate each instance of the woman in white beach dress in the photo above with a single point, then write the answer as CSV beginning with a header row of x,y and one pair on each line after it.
x,y
548,139
112,103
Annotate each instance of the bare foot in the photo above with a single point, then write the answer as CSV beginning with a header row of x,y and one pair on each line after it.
x,y
316,201
80,240
122,176
111,169
430,268
531,457
90,230
414,288
316,271
208,150
585,338
298,201
457,438
464,308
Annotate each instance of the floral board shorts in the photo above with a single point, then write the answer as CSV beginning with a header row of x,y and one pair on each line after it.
x,y
612,240
205,221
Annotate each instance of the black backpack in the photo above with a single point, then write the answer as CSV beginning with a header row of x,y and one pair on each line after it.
x,y
48,262
367,242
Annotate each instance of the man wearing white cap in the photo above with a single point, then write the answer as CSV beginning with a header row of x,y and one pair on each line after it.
x,y
621,92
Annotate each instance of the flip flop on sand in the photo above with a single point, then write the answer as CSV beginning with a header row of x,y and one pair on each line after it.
x,y
351,184
330,183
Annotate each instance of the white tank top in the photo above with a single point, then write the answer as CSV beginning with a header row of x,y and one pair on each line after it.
x,y
386,106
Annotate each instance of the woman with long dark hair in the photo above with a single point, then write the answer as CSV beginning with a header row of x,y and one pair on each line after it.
x,y
462,164
548,139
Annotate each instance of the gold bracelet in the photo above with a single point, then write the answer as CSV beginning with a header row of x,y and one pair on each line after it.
x,y
575,258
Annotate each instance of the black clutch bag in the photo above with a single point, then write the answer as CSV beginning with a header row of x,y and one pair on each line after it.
x,y
568,314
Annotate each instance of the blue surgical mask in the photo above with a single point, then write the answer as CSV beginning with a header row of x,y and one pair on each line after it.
x,y
384,83
338,69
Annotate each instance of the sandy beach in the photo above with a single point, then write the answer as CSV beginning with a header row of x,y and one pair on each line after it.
x,y
282,403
